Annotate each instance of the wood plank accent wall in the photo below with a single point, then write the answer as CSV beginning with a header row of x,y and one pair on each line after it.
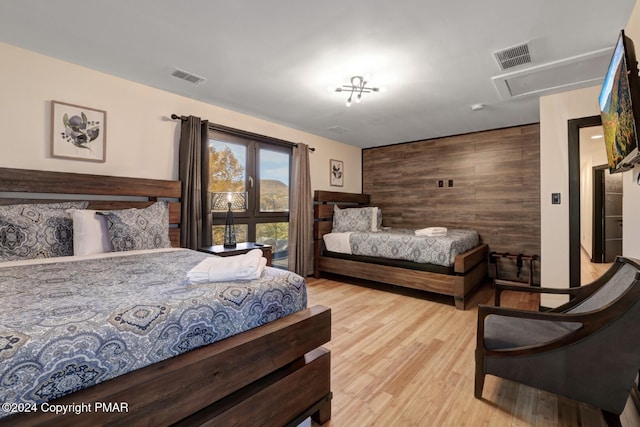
x,y
496,187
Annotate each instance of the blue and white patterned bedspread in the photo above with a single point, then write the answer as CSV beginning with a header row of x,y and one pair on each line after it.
x,y
68,325
404,244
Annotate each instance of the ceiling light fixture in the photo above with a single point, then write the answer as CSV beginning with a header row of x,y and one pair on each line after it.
x,y
357,87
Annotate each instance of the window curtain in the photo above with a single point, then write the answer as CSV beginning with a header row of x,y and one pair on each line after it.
x,y
194,172
301,214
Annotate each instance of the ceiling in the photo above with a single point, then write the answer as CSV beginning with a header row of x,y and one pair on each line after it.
x,y
276,59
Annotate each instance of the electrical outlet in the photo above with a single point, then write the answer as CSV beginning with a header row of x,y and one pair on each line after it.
x,y
450,183
440,183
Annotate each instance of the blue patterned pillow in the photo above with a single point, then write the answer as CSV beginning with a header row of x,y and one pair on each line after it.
x,y
39,230
353,219
134,229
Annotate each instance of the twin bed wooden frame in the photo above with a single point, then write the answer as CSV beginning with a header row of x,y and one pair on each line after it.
x,y
276,374
470,268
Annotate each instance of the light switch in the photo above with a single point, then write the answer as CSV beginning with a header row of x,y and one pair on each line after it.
x,y
555,198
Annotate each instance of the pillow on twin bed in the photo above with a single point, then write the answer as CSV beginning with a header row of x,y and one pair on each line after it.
x,y
133,229
39,230
356,219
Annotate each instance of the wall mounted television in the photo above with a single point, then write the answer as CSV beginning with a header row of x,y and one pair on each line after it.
x,y
620,107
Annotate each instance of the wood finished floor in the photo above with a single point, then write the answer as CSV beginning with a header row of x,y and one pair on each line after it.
x,y
399,359
590,271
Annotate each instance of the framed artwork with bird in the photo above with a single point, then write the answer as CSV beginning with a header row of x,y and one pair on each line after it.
x,y
78,133
336,173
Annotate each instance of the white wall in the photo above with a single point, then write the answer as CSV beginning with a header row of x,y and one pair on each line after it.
x,y
142,140
555,111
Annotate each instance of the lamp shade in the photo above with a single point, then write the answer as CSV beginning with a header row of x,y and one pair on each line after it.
x,y
220,200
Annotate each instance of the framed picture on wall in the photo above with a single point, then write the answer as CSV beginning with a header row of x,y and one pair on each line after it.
x,y
336,173
78,133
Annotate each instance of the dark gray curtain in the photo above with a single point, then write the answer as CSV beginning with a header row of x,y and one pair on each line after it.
x,y
301,214
194,172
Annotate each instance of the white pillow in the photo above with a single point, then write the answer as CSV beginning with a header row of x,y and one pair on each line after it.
x,y
374,219
90,234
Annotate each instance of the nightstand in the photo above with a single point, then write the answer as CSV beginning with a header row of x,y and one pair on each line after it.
x,y
241,248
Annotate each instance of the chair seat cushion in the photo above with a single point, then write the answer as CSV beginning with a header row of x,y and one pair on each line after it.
x,y
502,332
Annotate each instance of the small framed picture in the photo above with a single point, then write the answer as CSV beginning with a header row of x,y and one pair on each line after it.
x,y
78,133
336,173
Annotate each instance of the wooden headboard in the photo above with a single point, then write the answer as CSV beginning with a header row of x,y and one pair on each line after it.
x,y
323,202
61,184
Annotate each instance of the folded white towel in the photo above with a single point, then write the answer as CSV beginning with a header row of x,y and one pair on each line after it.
x,y
432,232
223,269
251,272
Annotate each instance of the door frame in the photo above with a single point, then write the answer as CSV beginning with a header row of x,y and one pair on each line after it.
x,y
574,126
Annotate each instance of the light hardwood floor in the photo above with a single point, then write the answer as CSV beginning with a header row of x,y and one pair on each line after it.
x,y
590,271
399,359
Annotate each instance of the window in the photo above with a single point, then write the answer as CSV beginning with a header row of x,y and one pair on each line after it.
x,y
258,167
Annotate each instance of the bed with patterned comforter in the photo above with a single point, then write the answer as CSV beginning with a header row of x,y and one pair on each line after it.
x,y
403,244
69,324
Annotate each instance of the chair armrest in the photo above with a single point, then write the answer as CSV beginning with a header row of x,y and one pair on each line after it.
x,y
508,285
591,321
486,310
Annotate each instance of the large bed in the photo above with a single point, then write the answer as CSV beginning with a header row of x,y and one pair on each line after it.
x,y
458,277
160,350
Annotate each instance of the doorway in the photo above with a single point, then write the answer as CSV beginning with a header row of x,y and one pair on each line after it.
x,y
607,214
581,249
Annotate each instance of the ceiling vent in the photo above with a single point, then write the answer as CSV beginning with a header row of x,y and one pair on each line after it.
x,y
513,56
184,75
566,74
338,129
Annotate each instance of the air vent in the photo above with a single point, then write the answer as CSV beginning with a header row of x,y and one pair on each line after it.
x,y
191,78
338,129
566,74
513,56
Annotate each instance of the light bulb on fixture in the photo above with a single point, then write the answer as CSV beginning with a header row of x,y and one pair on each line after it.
x,y
348,102
358,98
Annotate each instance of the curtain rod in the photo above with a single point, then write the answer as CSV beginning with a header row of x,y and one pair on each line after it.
x,y
184,118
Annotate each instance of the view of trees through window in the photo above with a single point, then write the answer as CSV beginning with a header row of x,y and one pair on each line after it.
x,y
227,173
261,172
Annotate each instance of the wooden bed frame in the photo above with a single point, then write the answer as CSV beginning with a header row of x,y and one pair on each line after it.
x,y
276,374
470,268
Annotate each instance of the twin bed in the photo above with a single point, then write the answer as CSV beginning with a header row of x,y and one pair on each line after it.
x,y
127,332
454,265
